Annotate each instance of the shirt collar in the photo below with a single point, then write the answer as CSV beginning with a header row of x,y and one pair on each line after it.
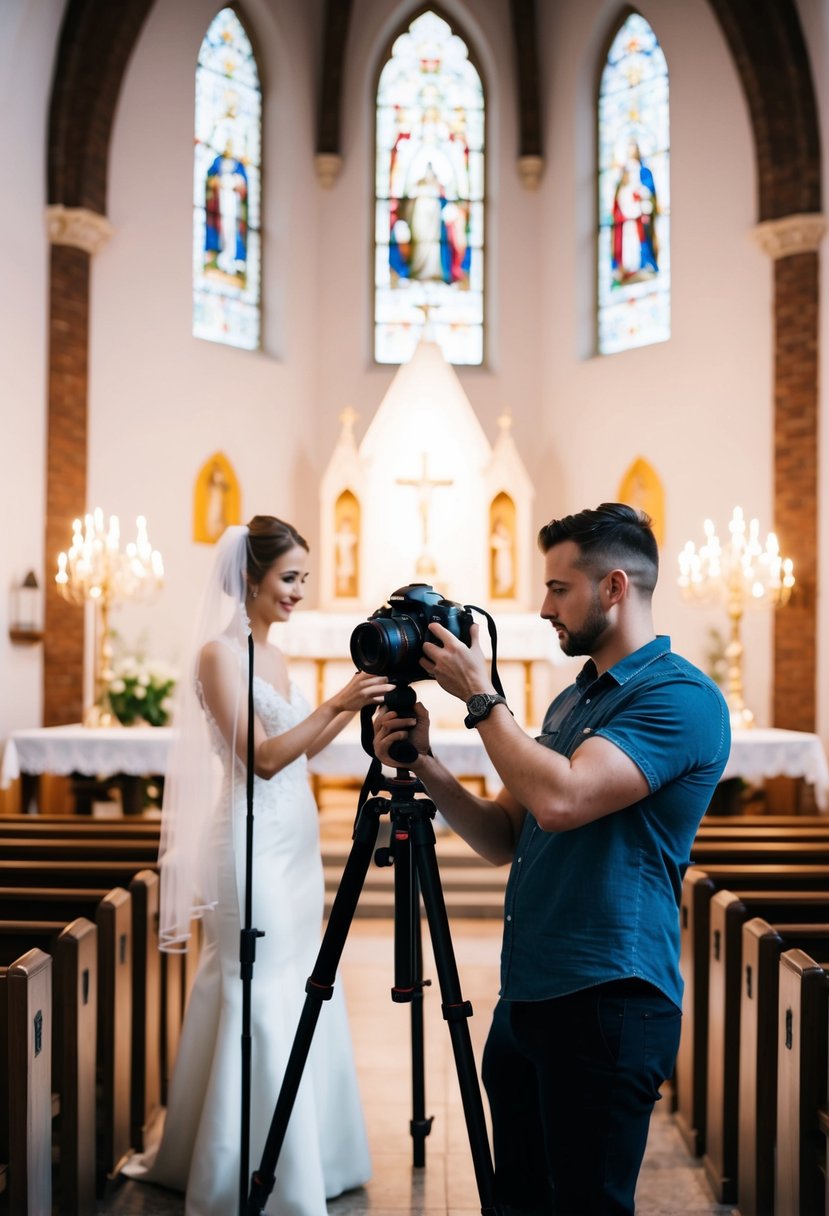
x,y
630,665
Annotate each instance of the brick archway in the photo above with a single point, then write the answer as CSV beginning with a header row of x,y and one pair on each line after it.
x,y
96,40
769,51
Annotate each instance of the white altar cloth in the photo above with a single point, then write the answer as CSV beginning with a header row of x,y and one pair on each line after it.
x,y
521,636
769,752
93,751
141,750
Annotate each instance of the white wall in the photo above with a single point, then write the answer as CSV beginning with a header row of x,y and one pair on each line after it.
x,y
28,36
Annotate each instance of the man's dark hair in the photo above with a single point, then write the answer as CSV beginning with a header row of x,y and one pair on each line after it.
x,y
612,536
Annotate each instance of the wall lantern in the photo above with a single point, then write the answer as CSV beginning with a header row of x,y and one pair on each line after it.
x,y
26,624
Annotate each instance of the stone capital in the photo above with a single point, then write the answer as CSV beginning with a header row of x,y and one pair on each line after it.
x,y
792,234
78,227
328,166
530,170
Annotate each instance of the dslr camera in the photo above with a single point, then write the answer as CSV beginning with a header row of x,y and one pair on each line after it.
x,y
390,642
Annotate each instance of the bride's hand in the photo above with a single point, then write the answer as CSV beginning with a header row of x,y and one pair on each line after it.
x,y
362,689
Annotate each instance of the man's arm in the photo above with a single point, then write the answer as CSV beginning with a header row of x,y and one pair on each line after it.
x,y
490,827
561,793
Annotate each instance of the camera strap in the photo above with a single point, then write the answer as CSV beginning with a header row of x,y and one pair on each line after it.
x,y
493,638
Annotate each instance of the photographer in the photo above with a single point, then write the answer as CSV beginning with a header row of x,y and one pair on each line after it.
x,y
597,816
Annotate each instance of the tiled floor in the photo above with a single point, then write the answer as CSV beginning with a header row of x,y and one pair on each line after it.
x,y
671,1183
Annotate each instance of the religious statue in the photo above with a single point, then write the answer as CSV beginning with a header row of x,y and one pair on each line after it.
x,y
217,502
346,546
642,488
502,548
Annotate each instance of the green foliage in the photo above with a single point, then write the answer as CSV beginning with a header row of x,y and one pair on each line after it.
x,y
140,691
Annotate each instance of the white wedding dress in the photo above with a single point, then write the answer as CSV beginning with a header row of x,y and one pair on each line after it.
x,y
325,1150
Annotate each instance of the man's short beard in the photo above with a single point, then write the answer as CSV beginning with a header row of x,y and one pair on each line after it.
x,y
583,641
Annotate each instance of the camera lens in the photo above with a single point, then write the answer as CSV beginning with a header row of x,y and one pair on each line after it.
x,y
381,646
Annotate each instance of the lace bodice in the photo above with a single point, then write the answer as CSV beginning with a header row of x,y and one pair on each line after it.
x,y
277,714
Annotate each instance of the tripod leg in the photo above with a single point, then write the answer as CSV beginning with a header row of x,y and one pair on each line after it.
x,y
456,1011
319,988
408,975
420,1126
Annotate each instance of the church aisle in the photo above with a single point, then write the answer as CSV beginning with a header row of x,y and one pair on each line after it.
x,y
671,1183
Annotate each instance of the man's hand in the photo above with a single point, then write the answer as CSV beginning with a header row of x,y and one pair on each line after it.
x,y
390,728
460,670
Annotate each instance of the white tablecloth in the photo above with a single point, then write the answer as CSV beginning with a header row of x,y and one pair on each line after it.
x,y
138,750
769,752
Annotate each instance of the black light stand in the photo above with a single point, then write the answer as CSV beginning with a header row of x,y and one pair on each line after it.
x,y
247,953
412,850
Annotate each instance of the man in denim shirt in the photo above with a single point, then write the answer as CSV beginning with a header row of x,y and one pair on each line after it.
x,y
597,817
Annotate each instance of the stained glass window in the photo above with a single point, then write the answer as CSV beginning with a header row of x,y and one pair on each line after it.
x,y
429,207
634,288
227,242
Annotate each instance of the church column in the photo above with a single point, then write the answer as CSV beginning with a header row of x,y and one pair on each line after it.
x,y
75,234
793,243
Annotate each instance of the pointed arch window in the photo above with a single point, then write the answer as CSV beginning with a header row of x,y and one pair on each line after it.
x,y
227,243
429,196
634,253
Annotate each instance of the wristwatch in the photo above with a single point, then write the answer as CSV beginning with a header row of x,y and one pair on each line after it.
x,y
479,706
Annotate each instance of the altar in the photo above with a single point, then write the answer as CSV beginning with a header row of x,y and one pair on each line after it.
x,y
530,663
756,755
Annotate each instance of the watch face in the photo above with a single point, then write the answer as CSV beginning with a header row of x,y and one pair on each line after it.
x,y
478,703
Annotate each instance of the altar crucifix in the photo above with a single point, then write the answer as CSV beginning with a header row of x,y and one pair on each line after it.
x,y
425,485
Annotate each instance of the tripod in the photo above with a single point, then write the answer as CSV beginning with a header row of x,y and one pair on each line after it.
x,y
412,850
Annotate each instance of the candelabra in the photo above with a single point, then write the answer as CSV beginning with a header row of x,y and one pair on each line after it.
x,y
742,572
97,570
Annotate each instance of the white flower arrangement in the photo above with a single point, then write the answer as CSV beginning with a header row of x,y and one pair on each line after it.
x,y
140,691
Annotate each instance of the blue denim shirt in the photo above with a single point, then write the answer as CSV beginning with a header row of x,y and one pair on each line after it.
x,y
601,902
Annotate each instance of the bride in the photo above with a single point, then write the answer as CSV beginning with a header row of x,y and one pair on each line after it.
x,y
258,578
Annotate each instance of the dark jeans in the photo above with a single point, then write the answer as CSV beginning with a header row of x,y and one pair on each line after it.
x,y
571,1085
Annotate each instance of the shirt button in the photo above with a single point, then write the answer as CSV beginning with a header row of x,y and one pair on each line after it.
x,y
520,859
587,702
509,918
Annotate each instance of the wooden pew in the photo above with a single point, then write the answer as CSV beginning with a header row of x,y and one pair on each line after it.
x,y
67,827
758,852
763,944
26,1082
113,917
31,873
114,920
49,848
759,832
800,1185
698,888
729,912
74,1064
155,1029
147,1008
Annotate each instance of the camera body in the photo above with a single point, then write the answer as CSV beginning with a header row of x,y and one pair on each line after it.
x,y
390,642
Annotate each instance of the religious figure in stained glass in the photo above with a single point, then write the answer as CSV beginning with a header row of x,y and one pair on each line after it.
x,y
635,244
634,203
227,240
429,204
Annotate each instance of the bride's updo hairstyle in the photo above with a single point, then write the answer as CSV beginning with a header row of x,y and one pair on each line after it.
x,y
268,539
